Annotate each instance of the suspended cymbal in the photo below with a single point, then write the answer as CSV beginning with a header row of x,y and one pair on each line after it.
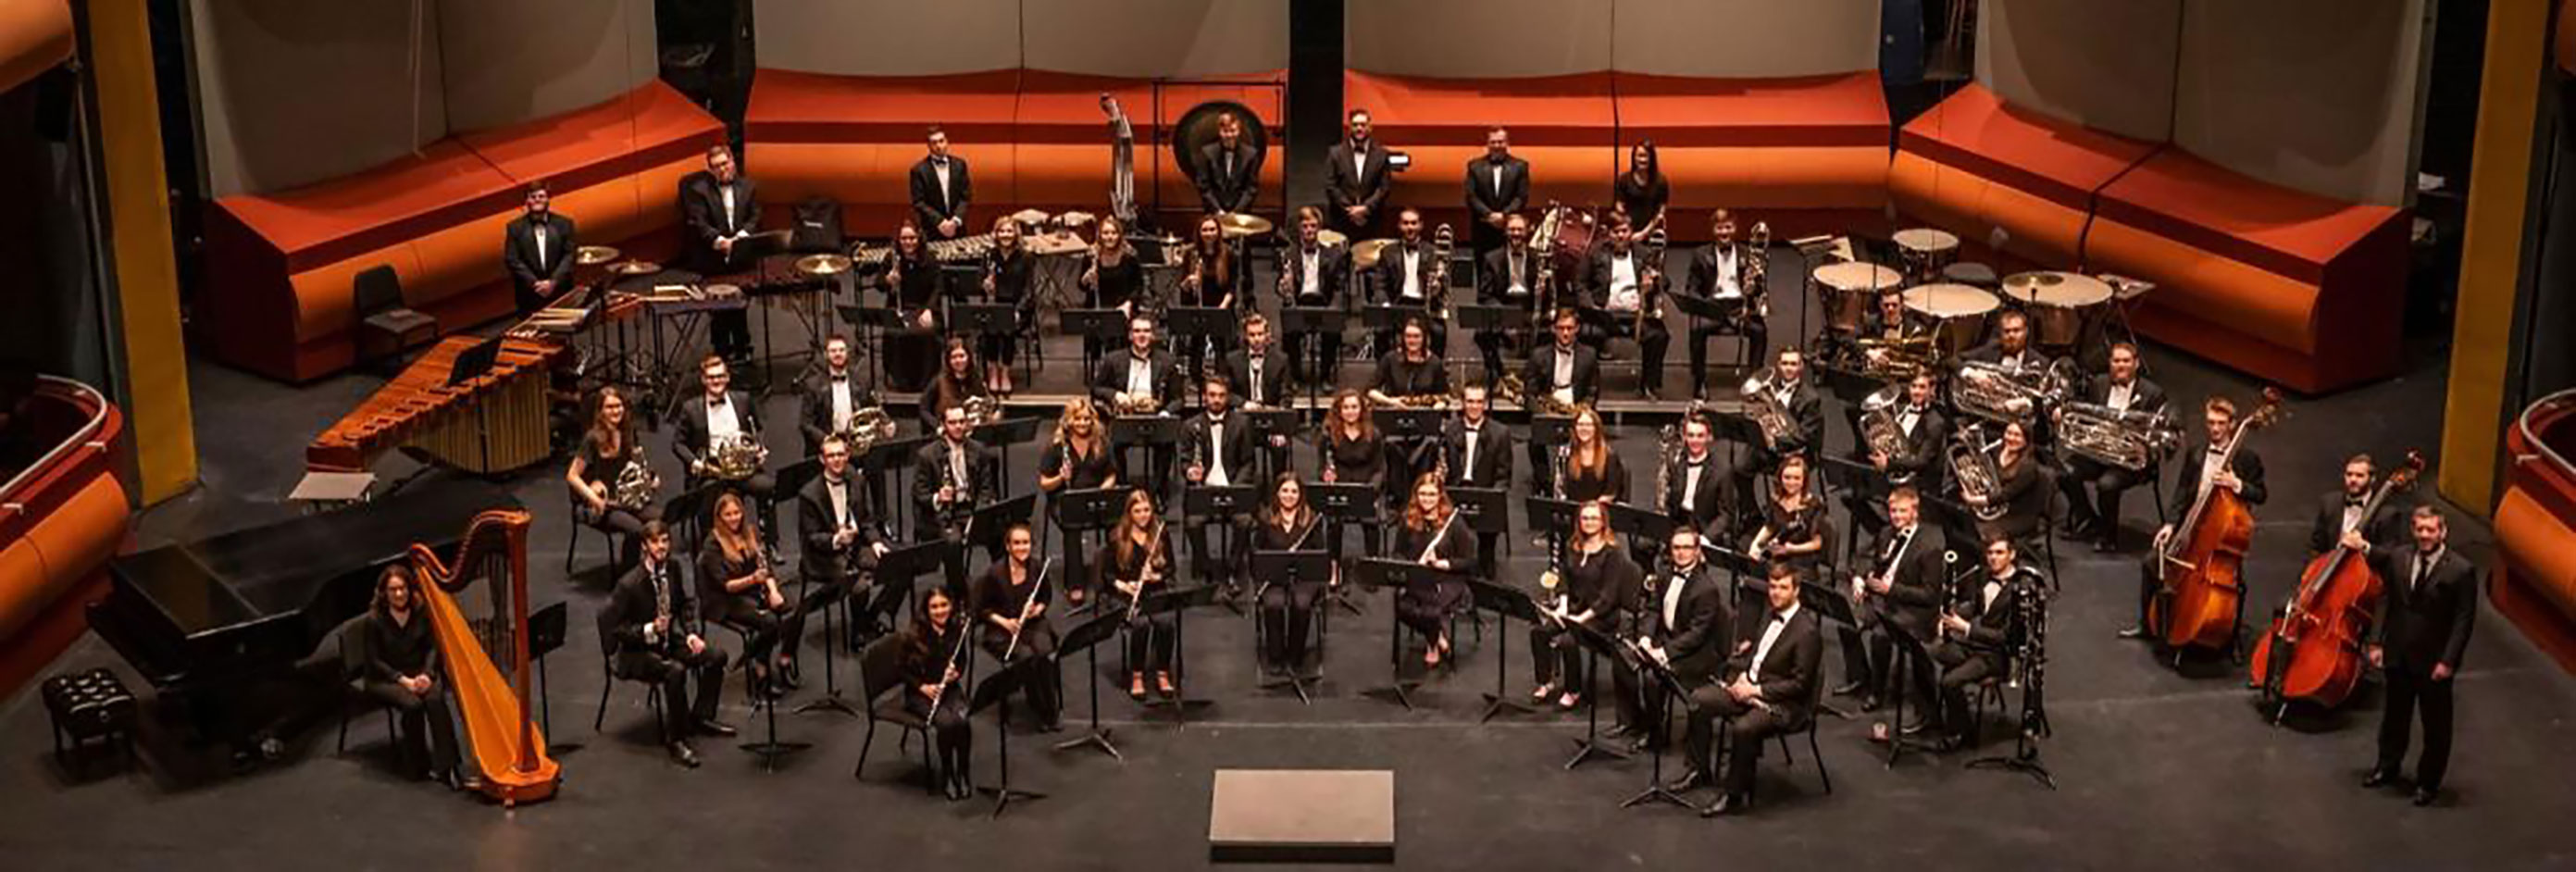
x,y
823,264
1238,225
635,268
1364,253
593,255
1331,237
1076,219
1030,217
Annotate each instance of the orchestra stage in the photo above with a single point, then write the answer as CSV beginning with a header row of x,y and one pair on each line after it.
x,y
2153,767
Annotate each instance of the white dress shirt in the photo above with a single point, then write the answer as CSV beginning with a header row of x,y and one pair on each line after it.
x,y
1412,272
1311,279
1140,375
1728,283
1770,634
723,424
1216,476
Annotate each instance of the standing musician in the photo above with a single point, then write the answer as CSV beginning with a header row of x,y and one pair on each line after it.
x,y
950,478
1771,691
956,383
1287,523
1211,276
1229,169
607,448
2424,623
1642,191
1627,287
1590,469
717,418
1011,602
1080,458
1008,279
1478,450
1568,373
1140,381
941,189
1312,275
1431,536
833,394
2017,490
402,671
1497,186
843,538
536,249
1409,377
737,588
721,208
1506,277
1410,275
2339,513
1217,447
1356,179
1717,275
1976,634
1783,387
1597,582
1137,563
2122,389
912,283
650,641
2244,475
1352,451
931,672
1684,622
1901,590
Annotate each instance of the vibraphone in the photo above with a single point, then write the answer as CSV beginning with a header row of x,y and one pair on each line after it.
x,y
495,422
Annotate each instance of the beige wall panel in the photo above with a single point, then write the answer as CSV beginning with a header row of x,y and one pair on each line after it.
x,y
298,91
2104,65
885,37
1745,38
2318,95
1469,38
509,61
1147,38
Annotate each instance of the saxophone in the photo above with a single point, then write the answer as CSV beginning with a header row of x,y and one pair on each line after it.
x,y
1768,411
1978,479
636,485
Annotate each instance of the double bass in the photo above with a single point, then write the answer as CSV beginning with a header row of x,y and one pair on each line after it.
x,y
2313,652
2201,566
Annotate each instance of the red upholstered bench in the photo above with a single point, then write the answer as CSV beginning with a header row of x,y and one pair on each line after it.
x,y
279,265
1768,148
1974,164
2289,286
855,138
1565,126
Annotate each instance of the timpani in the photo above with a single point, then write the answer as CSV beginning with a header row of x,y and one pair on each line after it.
x,y
2064,308
1849,289
1923,251
1957,314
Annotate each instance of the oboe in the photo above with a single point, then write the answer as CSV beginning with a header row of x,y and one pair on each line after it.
x,y
1036,587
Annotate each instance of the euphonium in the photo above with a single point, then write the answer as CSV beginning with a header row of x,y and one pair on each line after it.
x,y
636,485
1878,424
737,458
1979,480
1767,409
2130,440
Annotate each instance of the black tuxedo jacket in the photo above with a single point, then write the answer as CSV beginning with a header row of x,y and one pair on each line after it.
x,y
2144,395
1220,191
1919,584
702,208
1111,378
1237,448
1702,625
1807,413
1989,626
519,252
1704,271
2248,467
1484,199
2385,530
929,207
1926,451
1494,280
816,524
1493,467
631,609
2425,621
1709,507
1389,275
1333,261
1788,677
2031,359
1345,186
1596,277
1539,372
814,412
689,436
930,470
1274,375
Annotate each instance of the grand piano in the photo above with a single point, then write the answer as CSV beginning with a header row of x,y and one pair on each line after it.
x,y
213,622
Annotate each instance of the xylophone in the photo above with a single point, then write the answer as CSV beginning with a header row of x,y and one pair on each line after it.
x,y
419,412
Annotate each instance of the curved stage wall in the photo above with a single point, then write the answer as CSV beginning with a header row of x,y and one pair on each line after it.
x,y
2534,580
61,520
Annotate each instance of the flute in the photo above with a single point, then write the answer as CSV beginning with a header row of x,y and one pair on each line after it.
x,y
937,692
1136,604
1035,587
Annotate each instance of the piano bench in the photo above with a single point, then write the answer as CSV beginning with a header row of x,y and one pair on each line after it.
x,y
90,705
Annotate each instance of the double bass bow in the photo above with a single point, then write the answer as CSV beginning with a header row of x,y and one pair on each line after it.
x,y
2313,651
2200,567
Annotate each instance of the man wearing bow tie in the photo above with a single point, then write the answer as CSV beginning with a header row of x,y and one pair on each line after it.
x,y
722,208
2340,513
941,188
537,248
1769,689
2426,614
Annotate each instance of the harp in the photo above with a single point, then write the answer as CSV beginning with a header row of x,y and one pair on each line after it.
x,y
487,654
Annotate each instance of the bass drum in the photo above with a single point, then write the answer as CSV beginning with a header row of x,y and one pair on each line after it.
x,y
1198,128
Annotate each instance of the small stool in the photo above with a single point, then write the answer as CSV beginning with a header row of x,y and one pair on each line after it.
x,y
90,705
1969,273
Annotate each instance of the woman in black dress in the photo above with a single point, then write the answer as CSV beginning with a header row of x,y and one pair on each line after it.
x,y
955,384
1590,589
1352,452
606,450
2024,504
737,588
1007,276
1137,563
1115,279
930,670
1592,471
911,282
1011,605
1079,459
403,672
1287,523
1432,537
1642,191
1210,276
1795,529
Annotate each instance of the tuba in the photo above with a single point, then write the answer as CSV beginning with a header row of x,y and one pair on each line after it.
x,y
636,485
737,458
1998,394
2127,439
866,428
1974,470
1766,408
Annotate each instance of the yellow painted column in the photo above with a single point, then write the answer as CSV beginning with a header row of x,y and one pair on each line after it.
x,y
2491,255
139,246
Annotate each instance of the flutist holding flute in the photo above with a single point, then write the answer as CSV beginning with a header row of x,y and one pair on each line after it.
x,y
1136,564
1431,536
931,648
1011,605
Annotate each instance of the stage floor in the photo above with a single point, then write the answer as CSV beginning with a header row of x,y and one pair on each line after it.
x,y
2154,767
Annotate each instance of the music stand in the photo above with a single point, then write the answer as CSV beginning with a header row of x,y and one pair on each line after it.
x,y
1554,516
1663,681
1082,511
1212,503
872,320
1549,431
1265,423
1292,568
1506,602
1314,321
1204,323
1478,316
984,319
1395,576
1833,607
1907,649
990,521
1006,432
1345,503
1097,327
903,565
1178,601
1408,423
1596,645
995,692
890,457
1154,432
1086,638
1650,525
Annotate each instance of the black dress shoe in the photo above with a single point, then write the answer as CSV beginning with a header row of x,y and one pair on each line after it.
x,y
1911,727
684,755
1691,780
2424,796
793,677
713,727
1850,687
2378,778
2134,632
1726,805
1618,731
2109,543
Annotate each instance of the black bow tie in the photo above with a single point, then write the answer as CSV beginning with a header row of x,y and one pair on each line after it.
x,y
2354,502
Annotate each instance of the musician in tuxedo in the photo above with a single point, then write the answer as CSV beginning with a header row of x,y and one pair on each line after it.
x,y
1626,284
1683,622
1356,180
1900,590
1922,445
1229,169
1784,386
1507,276
1695,487
2430,605
832,395
1565,370
721,208
941,189
951,476
2122,389
1717,274
1260,375
843,539
651,641
717,417
2341,511
536,249
1478,451
2243,474
1312,275
1140,381
1770,689
1888,324
1410,275
1978,632
1216,451
1497,187
2011,350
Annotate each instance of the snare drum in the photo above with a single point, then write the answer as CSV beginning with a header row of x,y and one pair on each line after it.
x,y
1849,289
2062,306
1957,314
1925,251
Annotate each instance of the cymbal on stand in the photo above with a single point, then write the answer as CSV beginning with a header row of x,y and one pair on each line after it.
x,y
593,255
823,265
635,268
1237,225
